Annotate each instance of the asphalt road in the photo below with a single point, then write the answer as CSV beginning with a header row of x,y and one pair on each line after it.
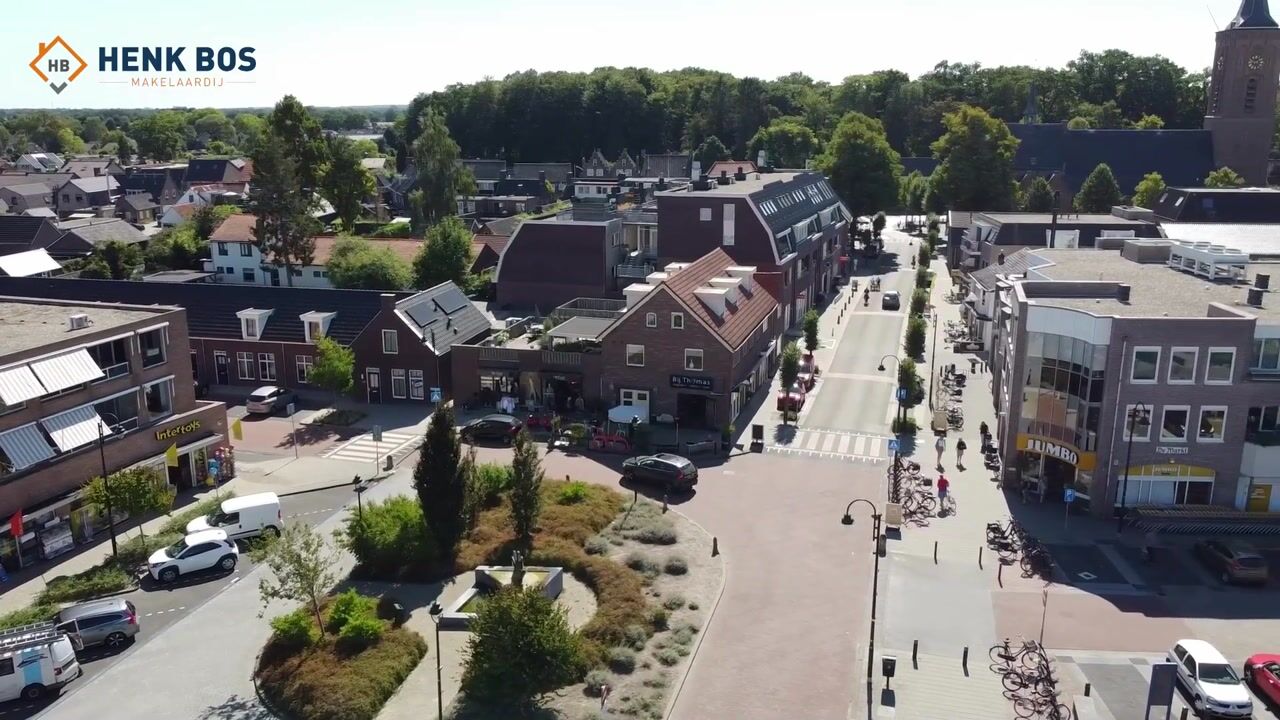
x,y
159,606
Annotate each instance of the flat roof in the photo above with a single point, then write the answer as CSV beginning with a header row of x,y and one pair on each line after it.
x,y
177,276
1063,218
581,328
755,182
1256,241
26,325
1156,290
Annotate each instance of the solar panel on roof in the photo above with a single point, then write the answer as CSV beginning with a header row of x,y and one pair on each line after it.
x,y
451,302
423,314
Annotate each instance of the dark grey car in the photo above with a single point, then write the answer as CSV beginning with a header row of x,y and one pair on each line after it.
x,y
670,472
111,622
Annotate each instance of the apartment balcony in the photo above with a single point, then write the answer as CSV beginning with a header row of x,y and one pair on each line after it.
x,y
633,270
1261,454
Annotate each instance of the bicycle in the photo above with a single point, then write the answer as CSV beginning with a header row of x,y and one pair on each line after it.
x,y
1025,707
1028,653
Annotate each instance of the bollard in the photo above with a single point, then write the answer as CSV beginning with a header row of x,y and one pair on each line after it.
x,y
1087,689
915,648
664,503
1000,574
964,661
715,546
979,557
935,552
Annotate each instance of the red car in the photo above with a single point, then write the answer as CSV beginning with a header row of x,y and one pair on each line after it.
x,y
792,400
808,371
1262,671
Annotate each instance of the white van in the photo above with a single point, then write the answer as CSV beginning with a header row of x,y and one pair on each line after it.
x,y
244,517
35,660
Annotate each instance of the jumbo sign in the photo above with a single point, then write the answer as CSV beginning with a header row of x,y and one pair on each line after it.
x,y
1058,450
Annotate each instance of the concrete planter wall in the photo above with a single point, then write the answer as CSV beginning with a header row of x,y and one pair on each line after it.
x,y
490,578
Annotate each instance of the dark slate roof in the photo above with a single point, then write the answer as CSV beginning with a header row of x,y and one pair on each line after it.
x,y
1016,264
1040,145
443,317
1031,228
211,309
1182,157
794,211
137,201
1223,205
1252,14
19,232
218,170
551,252
556,172
486,169
670,165
149,183
502,226
923,165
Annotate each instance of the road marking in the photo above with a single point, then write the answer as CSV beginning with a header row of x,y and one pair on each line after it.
x,y
860,445
364,449
844,444
829,442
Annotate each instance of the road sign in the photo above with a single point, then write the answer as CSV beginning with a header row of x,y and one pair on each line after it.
x,y
377,433
436,395
893,445
291,408
902,394
1068,495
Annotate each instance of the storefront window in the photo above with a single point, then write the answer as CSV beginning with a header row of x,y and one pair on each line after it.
x,y
498,382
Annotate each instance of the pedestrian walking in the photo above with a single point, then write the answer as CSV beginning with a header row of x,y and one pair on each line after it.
x,y
941,446
960,448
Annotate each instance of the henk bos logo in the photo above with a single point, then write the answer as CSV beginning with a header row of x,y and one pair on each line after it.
x,y
58,64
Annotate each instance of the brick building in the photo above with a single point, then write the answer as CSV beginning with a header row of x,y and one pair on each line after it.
x,y
72,372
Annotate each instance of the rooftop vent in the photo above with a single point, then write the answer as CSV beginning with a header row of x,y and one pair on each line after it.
x,y
724,178
1262,281
745,273
1122,293
674,267
79,321
739,176
1255,297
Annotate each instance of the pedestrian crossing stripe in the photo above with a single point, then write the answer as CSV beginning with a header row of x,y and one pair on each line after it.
x,y
364,449
834,444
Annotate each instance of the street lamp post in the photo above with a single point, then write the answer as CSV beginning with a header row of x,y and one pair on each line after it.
x,y
933,353
358,487
847,519
1128,455
435,612
899,386
106,482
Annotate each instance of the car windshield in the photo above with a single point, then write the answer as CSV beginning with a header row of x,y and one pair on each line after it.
x,y
175,549
1251,562
1221,673
217,518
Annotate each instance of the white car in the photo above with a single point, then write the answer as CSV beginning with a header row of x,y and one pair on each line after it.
x,y
198,551
1215,689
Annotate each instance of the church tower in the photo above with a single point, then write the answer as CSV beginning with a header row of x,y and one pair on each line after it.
x,y
1242,91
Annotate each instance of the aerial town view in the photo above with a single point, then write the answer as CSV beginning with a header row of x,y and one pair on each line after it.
x,y
688,361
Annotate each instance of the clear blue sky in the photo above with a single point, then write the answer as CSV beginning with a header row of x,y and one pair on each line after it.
x,y
360,53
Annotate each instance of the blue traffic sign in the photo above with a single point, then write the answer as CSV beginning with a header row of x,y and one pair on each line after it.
x,y
435,394
1068,495
902,394
893,445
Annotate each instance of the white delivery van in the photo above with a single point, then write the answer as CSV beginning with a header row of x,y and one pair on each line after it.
x,y
243,517
35,660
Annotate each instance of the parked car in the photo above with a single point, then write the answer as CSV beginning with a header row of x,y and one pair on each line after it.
x,y
502,428
808,371
198,551
111,622
1209,679
1263,672
793,399
891,300
1233,560
269,399
244,517
671,472
41,660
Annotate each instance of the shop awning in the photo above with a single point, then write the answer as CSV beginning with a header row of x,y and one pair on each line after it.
x,y
75,428
623,414
18,385
25,446
67,370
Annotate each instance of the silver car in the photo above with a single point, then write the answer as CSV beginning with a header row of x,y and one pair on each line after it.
x,y
111,623
269,399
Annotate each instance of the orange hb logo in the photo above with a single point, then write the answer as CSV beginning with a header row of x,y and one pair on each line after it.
x,y
57,64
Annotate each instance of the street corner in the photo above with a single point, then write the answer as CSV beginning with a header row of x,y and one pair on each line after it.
x,y
1085,565
277,435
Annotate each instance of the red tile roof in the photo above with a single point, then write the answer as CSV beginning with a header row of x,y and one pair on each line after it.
x,y
730,167
404,248
236,229
741,318
493,242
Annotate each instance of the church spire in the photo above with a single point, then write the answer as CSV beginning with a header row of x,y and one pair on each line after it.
x,y
1253,14
1031,113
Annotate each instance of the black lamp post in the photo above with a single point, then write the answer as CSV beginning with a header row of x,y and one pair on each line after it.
x,y
435,612
106,482
898,391
358,487
875,577
1128,456
933,353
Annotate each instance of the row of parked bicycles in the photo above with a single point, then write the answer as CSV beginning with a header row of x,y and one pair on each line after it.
x,y
1011,541
953,386
913,490
1028,679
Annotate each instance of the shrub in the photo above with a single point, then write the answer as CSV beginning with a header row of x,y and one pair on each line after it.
x,y
660,680
97,581
31,614
389,538
596,682
919,299
597,546
682,636
490,481
905,427
675,602
923,277
361,632
687,625
658,618
675,565
914,344
622,661
667,657
636,636
349,606
646,524
294,630
693,606
642,564
574,492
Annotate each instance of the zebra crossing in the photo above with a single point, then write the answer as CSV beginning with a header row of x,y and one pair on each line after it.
x,y
363,449
833,444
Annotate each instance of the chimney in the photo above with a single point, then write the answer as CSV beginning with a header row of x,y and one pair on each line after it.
x,y
760,159
1262,281
662,183
1000,259
504,175
542,176
388,302
656,278
732,285
724,178
1122,292
696,169
1255,297
745,273
713,298
636,292
740,175
622,176
674,267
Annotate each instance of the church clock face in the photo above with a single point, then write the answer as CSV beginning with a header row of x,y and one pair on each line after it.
x,y
1255,62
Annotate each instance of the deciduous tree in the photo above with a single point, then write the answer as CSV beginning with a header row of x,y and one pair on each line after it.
x,y
787,143
811,330
347,184
1039,196
301,139
441,178
446,255
112,260
863,168
302,568
333,367
1099,192
1148,190
710,151
137,491
355,263
975,154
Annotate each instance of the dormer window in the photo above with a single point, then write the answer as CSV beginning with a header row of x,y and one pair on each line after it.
x,y
315,324
250,327
252,321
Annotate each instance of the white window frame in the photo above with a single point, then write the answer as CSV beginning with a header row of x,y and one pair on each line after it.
x,y
690,353
633,349
249,328
241,359
1186,428
1133,364
704,214
1195,362
395,342
162,381
302,366
418,391
651,320
267,362
1200,418
677,316
399,374
1137,438
1208,363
